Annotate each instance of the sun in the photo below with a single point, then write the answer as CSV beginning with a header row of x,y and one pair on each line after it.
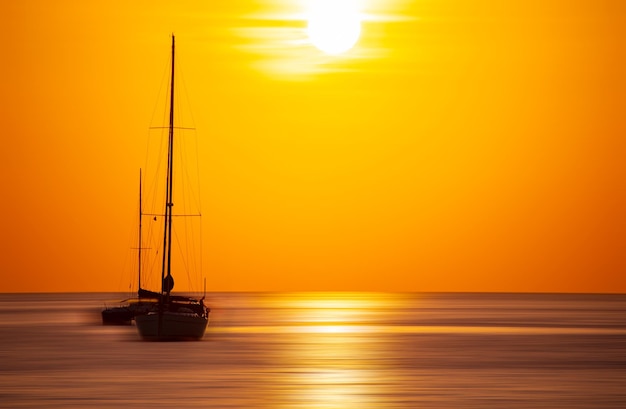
x,y
334,26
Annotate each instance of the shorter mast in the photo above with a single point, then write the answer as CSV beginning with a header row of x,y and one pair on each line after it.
x,y
140,243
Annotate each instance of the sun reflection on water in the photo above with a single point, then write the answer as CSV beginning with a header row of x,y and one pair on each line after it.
x,y
331,364
373,350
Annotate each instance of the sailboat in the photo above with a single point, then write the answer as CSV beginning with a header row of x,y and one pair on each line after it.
x,y
172,318
124,314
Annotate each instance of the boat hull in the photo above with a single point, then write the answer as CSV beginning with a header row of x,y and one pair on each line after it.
x,y
171,326
117,316
124,314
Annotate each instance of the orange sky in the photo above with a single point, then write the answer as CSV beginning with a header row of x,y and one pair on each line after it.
x,y
460,146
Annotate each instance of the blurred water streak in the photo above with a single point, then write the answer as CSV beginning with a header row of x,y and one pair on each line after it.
x,y
323,350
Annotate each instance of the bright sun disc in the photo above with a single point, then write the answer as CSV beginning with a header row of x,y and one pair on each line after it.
x,y
334,26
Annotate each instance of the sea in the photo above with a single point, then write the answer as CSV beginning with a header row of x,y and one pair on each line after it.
x,y
317,350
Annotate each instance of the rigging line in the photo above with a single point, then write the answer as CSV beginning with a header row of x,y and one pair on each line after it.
x,y
184,191
157,102
190,232
152,267
187,250
184,258
151,259
181,80
189,241
197,248
191,186
193,122
188,196
174,215
176,127
163,78
154,235
160,193
127,261
153,190
183,84
181,151
161,163
201,266
198,172
157,162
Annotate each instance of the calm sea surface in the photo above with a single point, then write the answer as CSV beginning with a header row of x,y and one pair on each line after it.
x,y
323,350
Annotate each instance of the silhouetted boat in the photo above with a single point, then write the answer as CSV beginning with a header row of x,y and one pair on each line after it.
x,y
172,317
124,313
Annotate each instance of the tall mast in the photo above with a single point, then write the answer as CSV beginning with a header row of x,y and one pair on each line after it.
x,y
139,246
166,273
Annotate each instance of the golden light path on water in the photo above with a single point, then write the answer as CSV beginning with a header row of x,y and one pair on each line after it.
x,y
339,350
352,313
324,350
415,329
333,368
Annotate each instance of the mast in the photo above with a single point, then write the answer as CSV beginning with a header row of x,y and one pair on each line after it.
x,y
139,246
167,282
